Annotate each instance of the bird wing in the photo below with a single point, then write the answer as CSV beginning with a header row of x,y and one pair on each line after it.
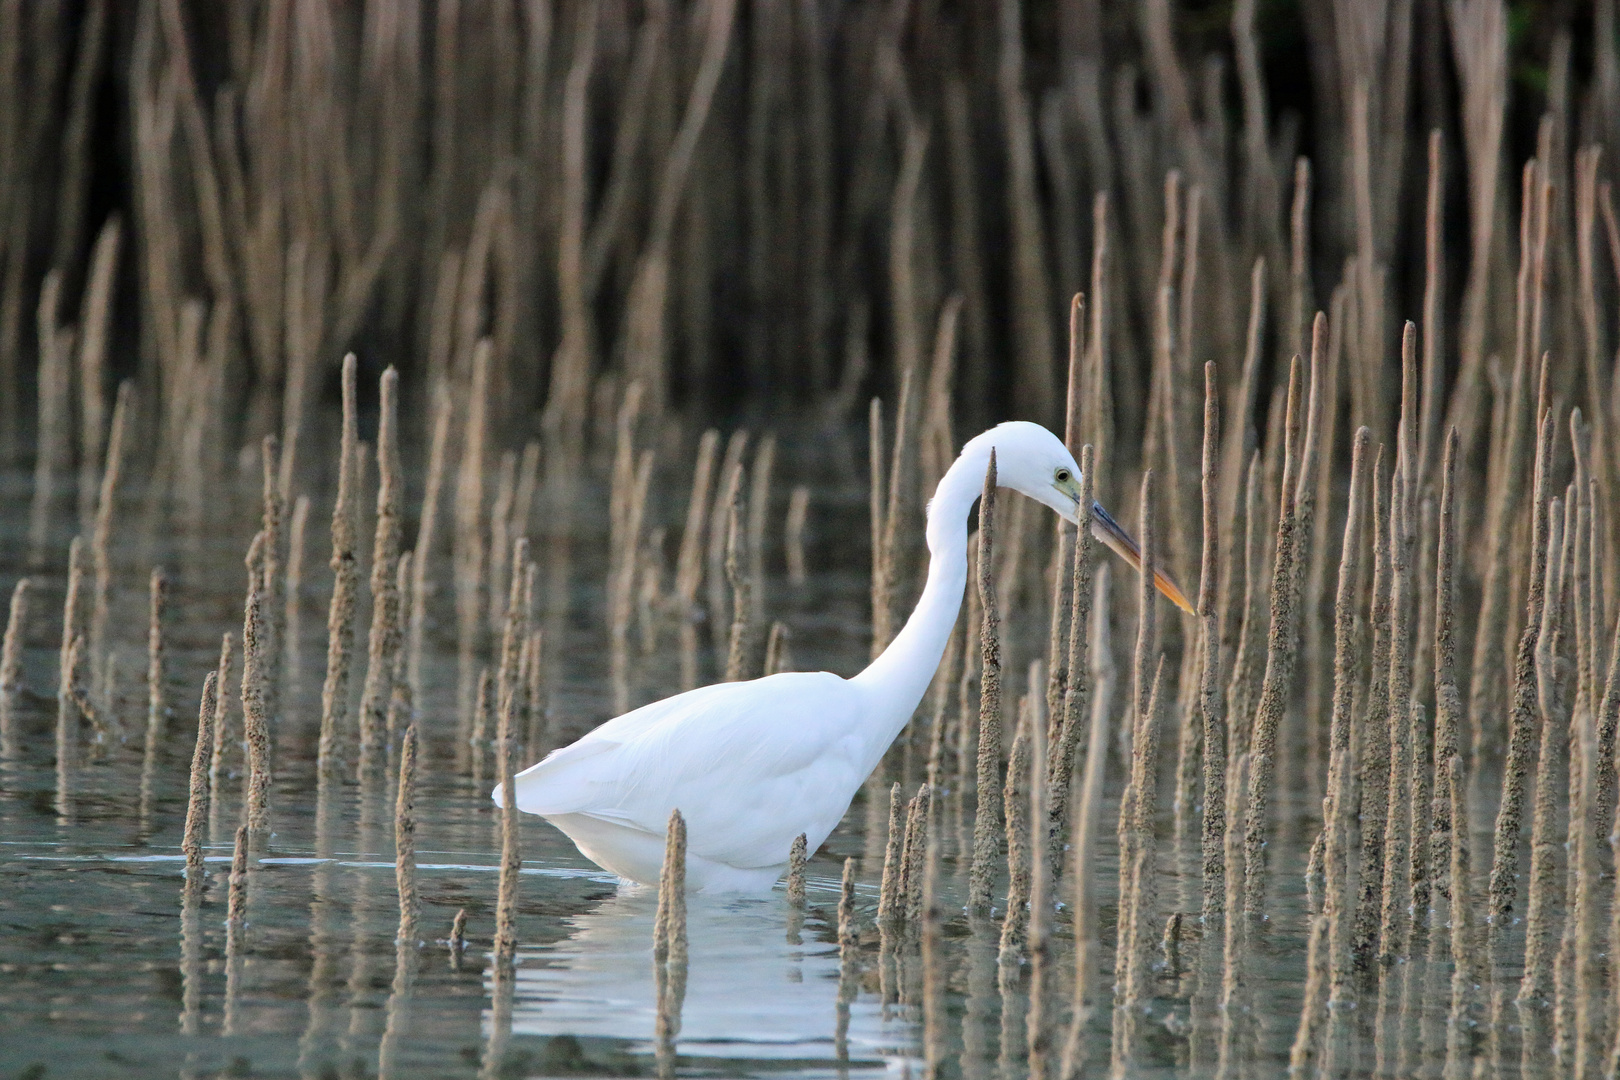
x,y
750,765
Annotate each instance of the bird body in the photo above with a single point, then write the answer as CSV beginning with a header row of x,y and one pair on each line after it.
x,y
751,765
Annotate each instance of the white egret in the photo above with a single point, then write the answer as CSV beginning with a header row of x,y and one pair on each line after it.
x,y
751,765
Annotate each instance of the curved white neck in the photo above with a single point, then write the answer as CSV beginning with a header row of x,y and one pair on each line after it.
x,y
899,677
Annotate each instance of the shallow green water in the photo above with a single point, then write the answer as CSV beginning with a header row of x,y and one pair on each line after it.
x,y
98,975
103,972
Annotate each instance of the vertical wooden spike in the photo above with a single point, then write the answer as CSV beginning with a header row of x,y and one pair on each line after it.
x,y
1088,819
741,595
797,517
1521,721
881,617
68,713
1373,762
1213,840
255,722
197,801
1069,724
222,741
1279,672
11,649
795,882
511,849
469,553
918,815
345,571
95,321
458,932
1141,717
272,575
893,863
669,935
538,737
483,714
730,480
1448,699
1015,801
1396,896
689,561
933,961
1545,887
384,641
101,540
985,825
157,704
293,620
1041,1021
427,531
11,663
401,703
405,839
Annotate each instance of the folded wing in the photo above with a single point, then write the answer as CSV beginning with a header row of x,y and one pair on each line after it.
x,y
750,765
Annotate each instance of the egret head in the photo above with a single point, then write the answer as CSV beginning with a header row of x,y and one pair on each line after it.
x,y
1034,462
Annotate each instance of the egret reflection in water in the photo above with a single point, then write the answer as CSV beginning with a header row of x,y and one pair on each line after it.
x,y
750,993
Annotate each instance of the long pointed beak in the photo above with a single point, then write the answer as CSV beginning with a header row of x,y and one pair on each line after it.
x,y
1110,532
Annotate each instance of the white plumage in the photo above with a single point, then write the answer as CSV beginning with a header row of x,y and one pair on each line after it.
x,y
751,765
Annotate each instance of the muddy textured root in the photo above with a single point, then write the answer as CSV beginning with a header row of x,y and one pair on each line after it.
x,y
986,828
385,638
272,576
157,704
345,581
405,838
1448,713
1373,781
889,900
1015,803
1139,894
1396,892
292,621
913,852
197,799
795,882
1129,828
483,717
255,723
11,662
670,950
457,940
101,539
1069,723
1210,703
1504,889
741,594
1545,896
797,516
401,701
69,712
1088,819
11,648
1278,681
426,532
511,858
216,761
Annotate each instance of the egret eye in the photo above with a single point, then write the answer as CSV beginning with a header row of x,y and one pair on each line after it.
x,y
1063,476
